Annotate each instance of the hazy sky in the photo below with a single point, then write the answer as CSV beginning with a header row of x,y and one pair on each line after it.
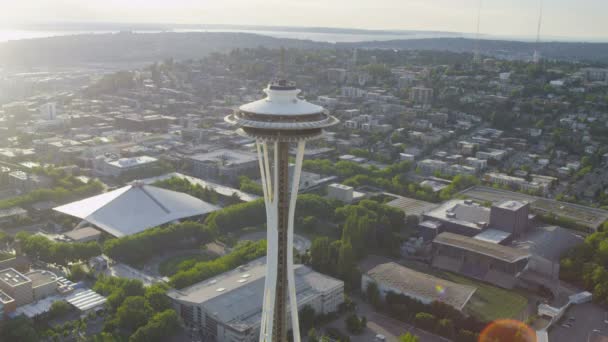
x,y
563,18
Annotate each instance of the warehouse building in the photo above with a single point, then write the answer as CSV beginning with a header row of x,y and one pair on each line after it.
x,y
392,277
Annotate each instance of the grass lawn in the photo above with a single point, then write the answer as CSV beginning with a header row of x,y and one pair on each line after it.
x,y
488,302
170,266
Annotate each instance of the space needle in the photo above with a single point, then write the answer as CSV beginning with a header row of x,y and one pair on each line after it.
x,y
278,122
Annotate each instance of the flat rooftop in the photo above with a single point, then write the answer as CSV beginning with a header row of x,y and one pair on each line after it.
x,y
462,212
12,277
4,298
512,205
504,253
492,235
131,162
235,297
82,233
410,206
41,277
420,284
227,157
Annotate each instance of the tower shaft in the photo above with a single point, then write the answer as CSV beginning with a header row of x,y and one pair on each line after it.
x,y
279,332
280,195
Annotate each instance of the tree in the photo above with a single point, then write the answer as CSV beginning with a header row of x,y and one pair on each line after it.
x,y
59,308
355,325
407,337
445,327
346,261
19,329
307,318
156,295
133,313
319,254
425,321
77,273
158,329
373,294
312,335
466,336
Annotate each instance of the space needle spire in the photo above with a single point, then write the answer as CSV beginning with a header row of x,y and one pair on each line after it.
x,y
278,122
537,55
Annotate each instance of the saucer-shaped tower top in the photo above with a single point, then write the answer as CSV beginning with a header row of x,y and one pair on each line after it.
x,y
281,116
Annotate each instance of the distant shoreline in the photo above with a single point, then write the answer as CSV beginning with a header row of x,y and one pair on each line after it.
x,y
316,34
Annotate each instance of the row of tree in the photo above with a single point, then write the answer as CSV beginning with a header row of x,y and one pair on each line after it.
x,y
586,265
39,247
242,253
138,248
57,194
193,189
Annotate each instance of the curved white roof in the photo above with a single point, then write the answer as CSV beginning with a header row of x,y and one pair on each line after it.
x,y
281,102
135,208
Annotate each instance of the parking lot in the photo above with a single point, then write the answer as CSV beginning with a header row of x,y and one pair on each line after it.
x,y
586,323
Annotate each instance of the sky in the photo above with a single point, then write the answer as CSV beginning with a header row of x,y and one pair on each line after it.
x,y
562,18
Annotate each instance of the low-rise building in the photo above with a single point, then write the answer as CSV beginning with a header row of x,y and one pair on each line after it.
x,y
392,277
17,286
226,165
228,307
84,234
516,182
113,167
340,192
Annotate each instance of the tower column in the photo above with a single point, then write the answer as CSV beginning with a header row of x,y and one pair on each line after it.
x,y
279,332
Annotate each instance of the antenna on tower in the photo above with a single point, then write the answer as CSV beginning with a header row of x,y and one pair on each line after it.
x,y
476,53
281,74
537,56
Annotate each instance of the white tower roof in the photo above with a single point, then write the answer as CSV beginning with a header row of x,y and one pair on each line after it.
x,y
281,102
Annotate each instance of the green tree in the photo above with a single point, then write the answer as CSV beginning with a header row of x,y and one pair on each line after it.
x,y
373,294
425,321
19,329
156,295
408,337
133,313
346,261
162,325
307,318
445,327
319,253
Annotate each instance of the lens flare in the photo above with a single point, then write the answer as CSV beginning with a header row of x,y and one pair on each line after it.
x,y
440,290
507,330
